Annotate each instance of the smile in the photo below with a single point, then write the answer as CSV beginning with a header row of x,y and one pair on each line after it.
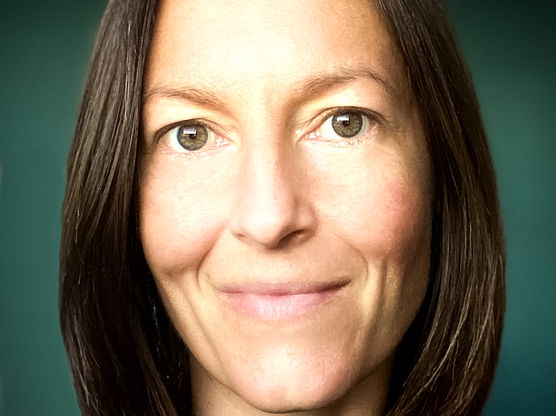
x,y
279,301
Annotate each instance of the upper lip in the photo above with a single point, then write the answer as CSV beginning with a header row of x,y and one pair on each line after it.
x,y
282,288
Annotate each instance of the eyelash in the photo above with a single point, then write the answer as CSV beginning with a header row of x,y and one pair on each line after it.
x,y
370,119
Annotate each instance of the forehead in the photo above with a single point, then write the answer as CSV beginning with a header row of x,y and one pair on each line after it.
x,y
233,45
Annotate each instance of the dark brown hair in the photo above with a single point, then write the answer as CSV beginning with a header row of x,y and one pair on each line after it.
x,y
125,355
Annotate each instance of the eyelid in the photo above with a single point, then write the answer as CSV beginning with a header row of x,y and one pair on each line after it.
x,y
372,115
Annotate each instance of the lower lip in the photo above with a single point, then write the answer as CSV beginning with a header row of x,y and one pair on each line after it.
x,y
278,307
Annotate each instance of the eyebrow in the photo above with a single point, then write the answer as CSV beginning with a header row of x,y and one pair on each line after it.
x,y
195,95
310,87
319,84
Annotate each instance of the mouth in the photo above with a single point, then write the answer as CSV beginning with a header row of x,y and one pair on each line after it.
x,y
279,301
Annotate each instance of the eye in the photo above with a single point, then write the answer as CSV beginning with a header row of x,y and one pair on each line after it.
x,y
189,136
344,123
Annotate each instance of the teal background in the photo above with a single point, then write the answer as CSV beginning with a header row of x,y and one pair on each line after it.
x,y
511,49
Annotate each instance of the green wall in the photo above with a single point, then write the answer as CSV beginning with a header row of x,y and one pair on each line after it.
x,y
510,47
44,54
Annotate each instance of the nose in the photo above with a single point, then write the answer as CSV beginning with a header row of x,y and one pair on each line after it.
x,y
273,207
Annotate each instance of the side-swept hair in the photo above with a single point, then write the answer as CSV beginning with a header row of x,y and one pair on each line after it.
x,y
448,357
125,355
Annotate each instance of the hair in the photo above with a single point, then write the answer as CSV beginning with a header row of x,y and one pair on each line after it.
x,y
125,355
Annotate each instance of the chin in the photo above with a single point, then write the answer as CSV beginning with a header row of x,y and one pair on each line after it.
x,y
296,392
278,401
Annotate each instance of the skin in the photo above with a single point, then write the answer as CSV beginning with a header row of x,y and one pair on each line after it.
x,y
276,196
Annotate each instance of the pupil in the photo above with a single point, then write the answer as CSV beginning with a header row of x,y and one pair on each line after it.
x,y
345,120
192,137
347,124
190,132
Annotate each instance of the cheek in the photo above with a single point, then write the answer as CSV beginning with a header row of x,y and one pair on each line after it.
x,y
179,219
384,211
399,219
378,203
381,206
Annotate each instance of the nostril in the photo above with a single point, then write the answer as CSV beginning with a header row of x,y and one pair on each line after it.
x,y
291,238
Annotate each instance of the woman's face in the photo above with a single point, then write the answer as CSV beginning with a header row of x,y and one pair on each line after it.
x,y
285,199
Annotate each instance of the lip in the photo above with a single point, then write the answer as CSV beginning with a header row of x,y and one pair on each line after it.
x,y
279,301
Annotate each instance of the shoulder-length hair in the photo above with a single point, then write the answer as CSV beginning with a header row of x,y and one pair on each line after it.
x,y
124,353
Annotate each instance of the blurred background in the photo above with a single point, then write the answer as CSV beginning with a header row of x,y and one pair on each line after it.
x,y
44,52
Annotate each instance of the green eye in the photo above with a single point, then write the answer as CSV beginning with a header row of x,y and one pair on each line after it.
x,y
192,136
347,124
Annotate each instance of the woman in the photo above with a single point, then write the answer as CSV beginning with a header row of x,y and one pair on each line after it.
x,y
280,208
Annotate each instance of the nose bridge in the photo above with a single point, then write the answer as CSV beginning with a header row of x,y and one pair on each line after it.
x,y
271,207
268,173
